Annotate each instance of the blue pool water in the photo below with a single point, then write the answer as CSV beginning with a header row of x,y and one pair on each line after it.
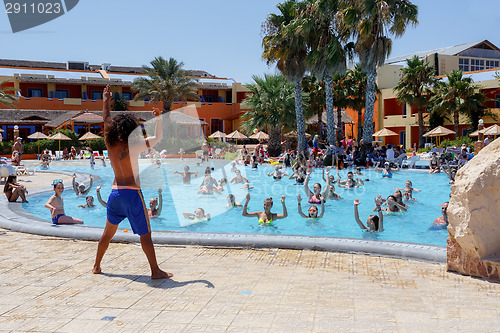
x,y
338,221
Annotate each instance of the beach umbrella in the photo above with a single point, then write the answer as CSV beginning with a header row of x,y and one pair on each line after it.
x,y
236,135
7,170
293,134
384,132
59,136
260,136
38,136
439,132
89,136
217,135
492,130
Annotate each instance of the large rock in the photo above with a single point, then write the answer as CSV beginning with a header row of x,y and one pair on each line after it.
x,y
474,211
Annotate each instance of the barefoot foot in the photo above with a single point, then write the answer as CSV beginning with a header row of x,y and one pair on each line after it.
x,y
96,270
159,274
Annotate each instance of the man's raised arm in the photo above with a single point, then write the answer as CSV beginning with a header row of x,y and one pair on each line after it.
x,y
106,98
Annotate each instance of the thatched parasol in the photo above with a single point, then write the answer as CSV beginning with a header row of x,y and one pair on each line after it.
x,y
384,132
38,136
59,136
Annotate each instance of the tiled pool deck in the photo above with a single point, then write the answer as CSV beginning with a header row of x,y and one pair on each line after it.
x,y
47,286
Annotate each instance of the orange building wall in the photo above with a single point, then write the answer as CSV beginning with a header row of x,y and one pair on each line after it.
x,y
392,107
75,91
353,129
23,88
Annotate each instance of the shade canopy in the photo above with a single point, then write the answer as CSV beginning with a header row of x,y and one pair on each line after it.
x,y
344,118
217,135
38,135
293,134
236,135
492,130
87,118
89,136
439,131
59,136
260,136
384,132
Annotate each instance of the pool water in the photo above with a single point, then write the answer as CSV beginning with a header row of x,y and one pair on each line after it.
x,y
338,221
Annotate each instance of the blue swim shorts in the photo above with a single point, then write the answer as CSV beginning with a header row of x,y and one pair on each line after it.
x,y
129,203
55,220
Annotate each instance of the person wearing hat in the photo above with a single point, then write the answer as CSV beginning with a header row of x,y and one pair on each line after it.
x,y
18,146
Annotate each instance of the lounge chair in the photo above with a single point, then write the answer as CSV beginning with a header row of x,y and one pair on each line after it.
x,y
199,153
105,154
217,153
410,162
97,155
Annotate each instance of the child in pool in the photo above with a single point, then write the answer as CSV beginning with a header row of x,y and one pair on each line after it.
x,y
266,216
56,206
239,178
374,223
312,212
408,194
392,205
247,186
155,205
186,175
126,199
199,215
79,188
231,201
90,202
207,187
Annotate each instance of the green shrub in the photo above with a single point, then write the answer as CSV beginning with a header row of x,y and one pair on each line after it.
x,y
6,147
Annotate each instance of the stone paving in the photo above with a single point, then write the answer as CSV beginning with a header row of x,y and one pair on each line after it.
x,y
46,286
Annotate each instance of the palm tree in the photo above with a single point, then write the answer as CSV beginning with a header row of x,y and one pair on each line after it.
x,y
167,81
316,93
414,88
270,102
370,21
6,98
327,55
287,48
356,84
457,95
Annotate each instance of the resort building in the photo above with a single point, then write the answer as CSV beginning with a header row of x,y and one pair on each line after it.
x,y
53,95
478,60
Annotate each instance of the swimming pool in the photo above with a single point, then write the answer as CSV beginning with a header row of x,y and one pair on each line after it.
x,y
338,221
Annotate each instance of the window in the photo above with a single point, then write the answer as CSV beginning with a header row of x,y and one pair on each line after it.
x,y
491,64
217,125
127,95
35,92
476,64
209,98
404,109
497,101
96,94
62,93
463,64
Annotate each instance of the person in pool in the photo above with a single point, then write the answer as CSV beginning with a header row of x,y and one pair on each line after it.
x,y
332,177
199,215
442,221
126,199
374,223
316,196
408,194
350,182
231,201
239,178
90,202
330,194
186,175
207,188
277,174
14,190
79,188
155,205
222,183
56,206
266,216
299,176
393,205
312,212
247,186
386,170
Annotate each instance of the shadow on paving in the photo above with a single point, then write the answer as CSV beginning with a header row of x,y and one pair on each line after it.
x,y
162,284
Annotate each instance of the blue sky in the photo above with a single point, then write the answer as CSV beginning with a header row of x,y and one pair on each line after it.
x,y
222,37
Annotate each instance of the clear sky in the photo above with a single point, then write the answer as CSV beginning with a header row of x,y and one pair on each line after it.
x,y
222,37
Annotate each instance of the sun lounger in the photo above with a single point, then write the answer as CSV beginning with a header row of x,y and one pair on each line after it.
x,y
410,162
198,153
105,154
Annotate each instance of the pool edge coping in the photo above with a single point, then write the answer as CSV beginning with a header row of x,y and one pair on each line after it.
x,y
15,218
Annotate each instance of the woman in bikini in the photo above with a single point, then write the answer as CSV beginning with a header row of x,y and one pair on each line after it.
x,y
316,196
14,190
186,175
277,173
265,217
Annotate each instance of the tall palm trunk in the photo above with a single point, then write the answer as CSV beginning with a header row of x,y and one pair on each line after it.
x,y
420,127
456,124
371,76
330,117
299,116
274,144
338,132
320,120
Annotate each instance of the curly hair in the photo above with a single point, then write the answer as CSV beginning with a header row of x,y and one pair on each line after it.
x,y
119,128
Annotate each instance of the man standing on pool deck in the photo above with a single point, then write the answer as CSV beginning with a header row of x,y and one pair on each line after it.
x,y
126,198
